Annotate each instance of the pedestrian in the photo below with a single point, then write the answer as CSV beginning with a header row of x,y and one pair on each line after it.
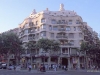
x,y
49,67
64,67
56,66
53,67
29,67
14,68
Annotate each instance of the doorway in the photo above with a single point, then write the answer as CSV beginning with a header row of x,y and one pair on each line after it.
x,y
65,62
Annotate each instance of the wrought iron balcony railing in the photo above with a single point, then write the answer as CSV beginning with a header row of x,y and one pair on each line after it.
x,y
59,36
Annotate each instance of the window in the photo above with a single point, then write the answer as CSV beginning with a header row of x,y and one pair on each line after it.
x,y
44,59
26,25
63,21
64,50
50,27
55,28
35,29
62,42
43,20
80,42
80,35
72,42
30,30
52,35
38,28
68,28
43,26
71,35
53,21
37,35
77,22
26,31
70,22
36,22
53,59
59,22
43,33
31,24
79,28
74,28
24,38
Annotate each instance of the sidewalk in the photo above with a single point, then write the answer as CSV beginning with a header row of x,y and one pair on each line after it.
x,y
47,71
78,70
52,71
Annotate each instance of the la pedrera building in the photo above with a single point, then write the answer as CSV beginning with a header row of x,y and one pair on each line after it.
x,y
65,26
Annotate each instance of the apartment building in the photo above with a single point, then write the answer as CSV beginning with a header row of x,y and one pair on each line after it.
x,y
65,26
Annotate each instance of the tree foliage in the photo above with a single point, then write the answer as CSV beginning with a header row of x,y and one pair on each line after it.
x,y
91,50
31,46
47,44
10,43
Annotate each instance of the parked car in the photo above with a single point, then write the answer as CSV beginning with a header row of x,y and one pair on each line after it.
x,y
3,65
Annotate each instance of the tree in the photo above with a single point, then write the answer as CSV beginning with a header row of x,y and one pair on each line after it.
x,y
55,47
48,46
85,47
44,44
31,46
92,51
11,44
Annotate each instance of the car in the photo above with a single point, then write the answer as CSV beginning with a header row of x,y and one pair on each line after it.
x,y
3,65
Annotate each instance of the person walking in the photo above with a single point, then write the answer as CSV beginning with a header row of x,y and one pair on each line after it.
x,y
49,67
30,68
64,67
53,67
14,68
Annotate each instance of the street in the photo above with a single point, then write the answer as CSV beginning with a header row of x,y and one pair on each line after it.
x,y
12,72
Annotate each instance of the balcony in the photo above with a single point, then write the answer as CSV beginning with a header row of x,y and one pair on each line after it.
x,y
64,55
74,54
31,38
62,29
54,54
42,55
61,22
67,44
61,37
28,55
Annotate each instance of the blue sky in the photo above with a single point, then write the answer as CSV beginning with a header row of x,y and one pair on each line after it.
x,y
13,12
